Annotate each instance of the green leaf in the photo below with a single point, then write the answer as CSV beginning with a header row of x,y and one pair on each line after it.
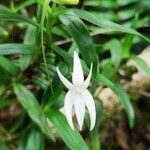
x,y
5,78
9,66
35,141
7,15
63,54
71,138
102,79
60,31
104,23
128,40
29,102
95,136
116,51
107,68
142,64
124,98
22,142
30,39
3,146
82,38
41,2
24,4
120,92
5,103
41,82
13,48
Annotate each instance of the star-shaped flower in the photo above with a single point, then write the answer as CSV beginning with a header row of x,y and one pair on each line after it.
x,y
78,97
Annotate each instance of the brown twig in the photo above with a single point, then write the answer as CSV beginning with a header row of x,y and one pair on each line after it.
x,y
65,41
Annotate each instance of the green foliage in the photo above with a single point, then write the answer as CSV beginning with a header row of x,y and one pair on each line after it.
x,y
8,15
72,138
142,64
37,36
14,48
35,140
82,38
34,110
9,66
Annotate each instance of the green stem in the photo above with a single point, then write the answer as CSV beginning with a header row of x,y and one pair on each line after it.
x,y
44,11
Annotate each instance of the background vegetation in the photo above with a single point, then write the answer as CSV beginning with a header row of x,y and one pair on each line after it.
x,y
37,35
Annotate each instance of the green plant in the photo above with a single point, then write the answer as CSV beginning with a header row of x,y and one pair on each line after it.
x,y
50,36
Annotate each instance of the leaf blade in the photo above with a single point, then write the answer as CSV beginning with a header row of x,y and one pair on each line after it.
x,y
104,23
71,138
82,38
29,102
14,48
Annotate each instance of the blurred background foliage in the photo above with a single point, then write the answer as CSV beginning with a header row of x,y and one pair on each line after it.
x,y
37,35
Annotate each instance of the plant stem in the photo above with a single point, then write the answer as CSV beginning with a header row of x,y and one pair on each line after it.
x,y
44,11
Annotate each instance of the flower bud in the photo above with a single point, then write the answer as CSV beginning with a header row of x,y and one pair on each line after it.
x,y
67,2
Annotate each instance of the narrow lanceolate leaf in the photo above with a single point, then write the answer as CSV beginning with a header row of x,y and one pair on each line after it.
x,y
128,40
24,4
13,48
142,64
95,136
5,78
35,141
72,139
9,66
62,53
29,102
30,39
7,15
100,78
82,38
104,23
116,51
123,97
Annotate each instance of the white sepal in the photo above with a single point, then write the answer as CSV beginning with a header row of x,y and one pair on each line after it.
x,y
68,105
89,102
63,79
77,76
88,79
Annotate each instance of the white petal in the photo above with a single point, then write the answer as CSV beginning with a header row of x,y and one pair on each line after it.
x,y
68,105
87,81
89,102
77,76
79,107
63,79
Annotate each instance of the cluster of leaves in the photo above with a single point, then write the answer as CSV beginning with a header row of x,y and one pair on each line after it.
x,y
36,36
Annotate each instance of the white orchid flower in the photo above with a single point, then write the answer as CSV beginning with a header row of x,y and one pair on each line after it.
x,y
78,97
